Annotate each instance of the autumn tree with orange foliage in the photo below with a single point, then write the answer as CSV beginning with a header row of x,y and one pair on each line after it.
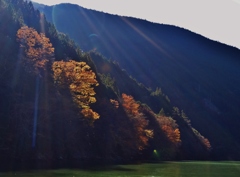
x,y
115,103
130,106
79,79
170,128
204,140
139,122
36,50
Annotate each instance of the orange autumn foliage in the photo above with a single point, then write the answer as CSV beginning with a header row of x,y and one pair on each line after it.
x,y
207,144
143,134
130,105
115,103
170,128
36,49
79,79
139,122
89,113
204,140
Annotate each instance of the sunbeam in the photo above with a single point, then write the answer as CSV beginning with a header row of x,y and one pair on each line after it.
x,y
145,37
34,133
17,68
42,20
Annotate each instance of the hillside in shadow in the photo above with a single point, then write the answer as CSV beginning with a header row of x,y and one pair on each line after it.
x,y
61,107
199,75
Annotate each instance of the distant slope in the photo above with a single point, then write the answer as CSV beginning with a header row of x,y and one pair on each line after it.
x,y
200,76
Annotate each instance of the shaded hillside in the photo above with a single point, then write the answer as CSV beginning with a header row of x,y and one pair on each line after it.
x,y
192,146
61,107
199,76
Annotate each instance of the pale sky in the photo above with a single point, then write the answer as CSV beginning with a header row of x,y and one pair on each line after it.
x,y
216,19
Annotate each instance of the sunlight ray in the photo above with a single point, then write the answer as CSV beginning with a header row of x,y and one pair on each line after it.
x,y
17,68
35,113
145,36
42,23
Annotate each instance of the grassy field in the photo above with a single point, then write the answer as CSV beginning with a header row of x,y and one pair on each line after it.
x,y
166,169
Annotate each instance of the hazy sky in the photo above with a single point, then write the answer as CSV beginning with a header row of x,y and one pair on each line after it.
x,y
216,19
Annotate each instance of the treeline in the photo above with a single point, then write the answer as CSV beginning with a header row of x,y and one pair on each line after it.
x,y
62,107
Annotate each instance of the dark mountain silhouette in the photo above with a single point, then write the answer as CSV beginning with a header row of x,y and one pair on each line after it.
x,y
199,75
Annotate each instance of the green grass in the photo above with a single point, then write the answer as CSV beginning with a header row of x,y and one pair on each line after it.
x,y
168,169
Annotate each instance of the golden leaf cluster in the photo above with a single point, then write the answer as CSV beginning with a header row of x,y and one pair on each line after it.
x,y
79,79
36,49
89,113
115,103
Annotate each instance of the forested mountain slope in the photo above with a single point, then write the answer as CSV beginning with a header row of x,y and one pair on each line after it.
x,y
61,107
199,76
